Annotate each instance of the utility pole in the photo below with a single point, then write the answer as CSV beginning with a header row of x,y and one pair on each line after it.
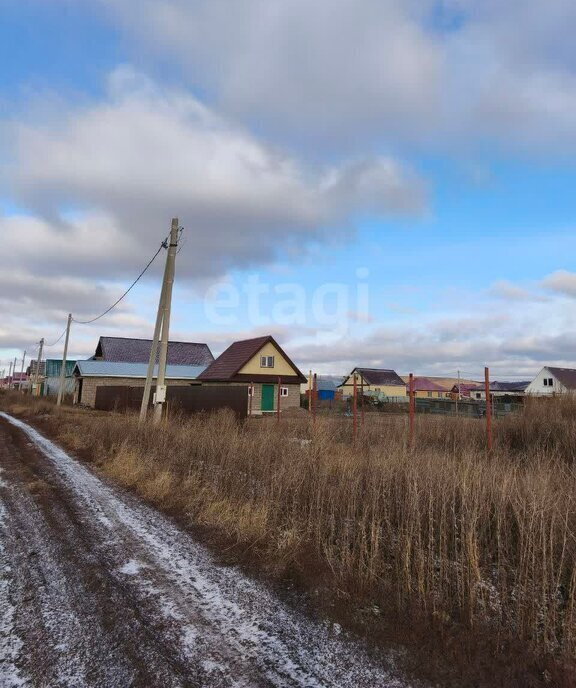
x,y
22,372
162,359
14,373
36,391
162,326
63,369
10,376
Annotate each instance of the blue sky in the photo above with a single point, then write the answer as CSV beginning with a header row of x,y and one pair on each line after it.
x,y
396,177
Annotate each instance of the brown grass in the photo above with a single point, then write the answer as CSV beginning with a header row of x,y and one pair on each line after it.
x,y
443,534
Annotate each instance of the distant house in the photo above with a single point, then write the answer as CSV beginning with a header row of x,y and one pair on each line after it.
x,y
463,390
131,350
499,389
551,381
91,374
52,369
260,364
374,381
31,369
424,387
16,380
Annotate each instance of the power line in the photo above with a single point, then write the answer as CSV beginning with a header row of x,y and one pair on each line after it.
x,y
164,244
58,340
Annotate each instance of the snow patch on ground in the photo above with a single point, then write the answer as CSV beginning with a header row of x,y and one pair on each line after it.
x,y
131,568
10,643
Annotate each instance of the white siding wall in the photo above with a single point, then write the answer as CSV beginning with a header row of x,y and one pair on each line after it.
x,y
538,388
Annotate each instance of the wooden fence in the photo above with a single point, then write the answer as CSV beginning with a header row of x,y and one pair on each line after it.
x,y
187,399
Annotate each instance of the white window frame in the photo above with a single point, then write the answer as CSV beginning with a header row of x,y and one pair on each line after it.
x,y
266,361
250,390
283,391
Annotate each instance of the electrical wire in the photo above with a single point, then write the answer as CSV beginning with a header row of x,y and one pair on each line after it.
x,y
164,244
58,340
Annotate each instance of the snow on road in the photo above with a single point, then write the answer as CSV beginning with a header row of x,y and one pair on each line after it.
x,y
98,589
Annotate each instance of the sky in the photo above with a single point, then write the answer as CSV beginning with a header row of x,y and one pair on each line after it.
x,y
387,183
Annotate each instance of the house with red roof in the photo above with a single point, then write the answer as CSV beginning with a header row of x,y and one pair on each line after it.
x,y
424,387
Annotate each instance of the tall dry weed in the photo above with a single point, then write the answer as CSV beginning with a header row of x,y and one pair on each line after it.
x,y
442,529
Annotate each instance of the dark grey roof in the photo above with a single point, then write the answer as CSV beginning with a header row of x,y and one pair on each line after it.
x,y
567,376
496,386
129,350
380,376
509,386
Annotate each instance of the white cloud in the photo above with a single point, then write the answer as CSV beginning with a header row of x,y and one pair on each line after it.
x,y
561,282
343,73
328,68
508,291
101,182
146,154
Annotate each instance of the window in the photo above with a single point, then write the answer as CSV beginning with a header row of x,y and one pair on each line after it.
x,y
478,395
429,394
266,361
550,382
250,391
545,382
283,391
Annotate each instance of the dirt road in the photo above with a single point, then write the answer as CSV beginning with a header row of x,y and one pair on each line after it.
x,y
97,589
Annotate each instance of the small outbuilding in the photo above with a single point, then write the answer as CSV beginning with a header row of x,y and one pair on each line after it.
x,y
91,374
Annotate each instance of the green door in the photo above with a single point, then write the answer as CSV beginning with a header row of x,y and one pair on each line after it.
x,y
267,397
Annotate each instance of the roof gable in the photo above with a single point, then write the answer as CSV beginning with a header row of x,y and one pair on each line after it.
x,y
229,365
130,350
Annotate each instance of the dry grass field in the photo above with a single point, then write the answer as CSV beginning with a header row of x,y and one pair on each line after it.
x,y
474,552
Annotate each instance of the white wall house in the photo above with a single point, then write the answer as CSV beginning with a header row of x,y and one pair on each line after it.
x,y
550,381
